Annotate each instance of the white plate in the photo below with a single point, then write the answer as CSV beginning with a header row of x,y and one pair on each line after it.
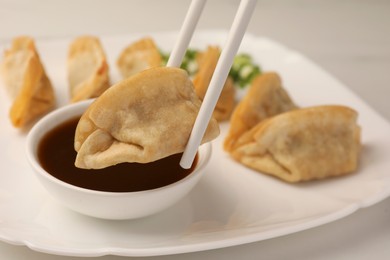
x,y
231,205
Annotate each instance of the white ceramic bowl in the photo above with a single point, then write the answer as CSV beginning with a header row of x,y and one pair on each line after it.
x,y
100,204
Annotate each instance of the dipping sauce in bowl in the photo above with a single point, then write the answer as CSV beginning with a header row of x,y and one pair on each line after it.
x,y
56,154
124,191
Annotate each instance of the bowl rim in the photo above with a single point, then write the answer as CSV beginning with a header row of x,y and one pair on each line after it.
x,y
70,111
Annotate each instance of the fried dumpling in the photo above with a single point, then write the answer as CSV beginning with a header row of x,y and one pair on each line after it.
x,y
26,82
88,71
303,144
207,61
138,56
141,119
266,97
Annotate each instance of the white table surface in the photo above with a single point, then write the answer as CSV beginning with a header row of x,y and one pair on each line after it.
x,y
350,39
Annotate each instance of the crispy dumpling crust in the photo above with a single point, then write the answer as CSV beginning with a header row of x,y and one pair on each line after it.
x,y
303,144
138,56
26,82
88,71
265,98
141,119
207,61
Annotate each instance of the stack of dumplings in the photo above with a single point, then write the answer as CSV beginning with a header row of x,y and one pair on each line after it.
x,y
149,115
27,83
270,134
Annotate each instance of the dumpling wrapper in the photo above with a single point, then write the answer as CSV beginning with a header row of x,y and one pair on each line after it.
x,y
140,119
265,98
138,56
207,61
26,81
303,144
88,71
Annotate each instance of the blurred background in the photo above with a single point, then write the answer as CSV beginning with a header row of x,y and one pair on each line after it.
x,y
336,34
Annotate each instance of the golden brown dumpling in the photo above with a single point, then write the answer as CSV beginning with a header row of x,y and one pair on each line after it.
x,y
303,144
207,61
266,97
88,71
138,56
26,82
141,119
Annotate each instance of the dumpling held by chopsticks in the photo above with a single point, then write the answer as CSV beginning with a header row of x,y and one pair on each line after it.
x,y
141,119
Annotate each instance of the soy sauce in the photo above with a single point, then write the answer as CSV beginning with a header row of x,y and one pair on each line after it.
x,y
57,155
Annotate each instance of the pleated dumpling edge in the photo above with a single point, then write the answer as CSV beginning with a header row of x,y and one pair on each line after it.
x,y
303,144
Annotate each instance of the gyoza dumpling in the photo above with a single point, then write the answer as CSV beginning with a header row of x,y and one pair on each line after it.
x,y
266,97
26,82
303,144
141,119
207,61
138,56
87,68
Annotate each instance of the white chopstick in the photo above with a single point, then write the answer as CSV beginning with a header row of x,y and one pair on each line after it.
x,y
225,61
186,32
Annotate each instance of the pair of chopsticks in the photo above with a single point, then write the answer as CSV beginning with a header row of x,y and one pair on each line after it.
x,y
237,31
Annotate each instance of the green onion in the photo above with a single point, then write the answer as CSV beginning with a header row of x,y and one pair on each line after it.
x,y
243,70
164,57
189,62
